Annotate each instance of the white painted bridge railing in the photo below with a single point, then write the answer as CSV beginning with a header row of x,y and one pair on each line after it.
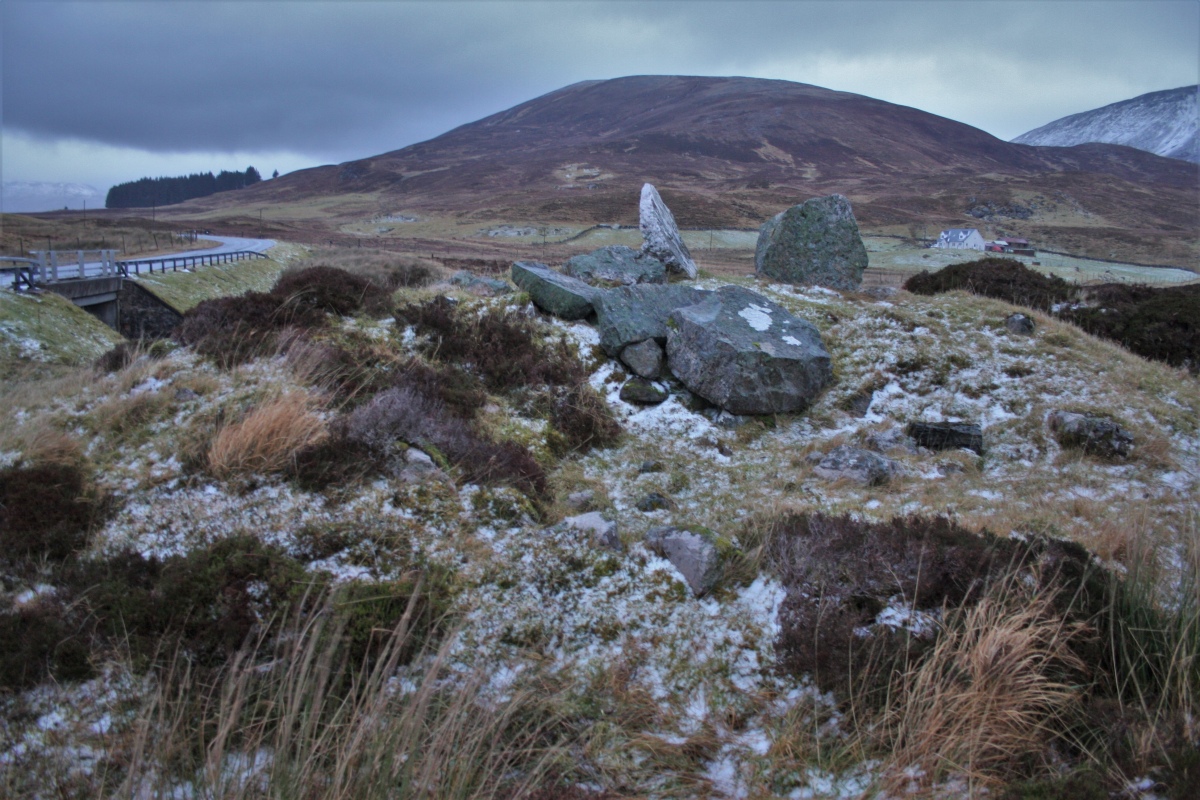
x,y
60,265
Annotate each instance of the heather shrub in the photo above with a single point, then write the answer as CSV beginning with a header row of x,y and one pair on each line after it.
x,y
40,641
504,347
323,288
233,330
46,510
1161,324
1002,278
840,573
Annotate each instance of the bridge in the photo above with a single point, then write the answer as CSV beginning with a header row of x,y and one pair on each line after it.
x,y
93,279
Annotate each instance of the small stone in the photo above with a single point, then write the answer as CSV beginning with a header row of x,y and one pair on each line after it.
x,y
1094,435
947,435
724,449
693,552
892,439
645,359
603,532
653,502
858,404
650,466
881,292
1019,323
643,392
728,421
184,394
418,467
480,285
581,500
861,466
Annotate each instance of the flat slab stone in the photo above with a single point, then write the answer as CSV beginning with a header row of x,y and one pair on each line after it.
x,y
947,435
661,234
816,243
616,265
857,464
746,354
553,292
630,314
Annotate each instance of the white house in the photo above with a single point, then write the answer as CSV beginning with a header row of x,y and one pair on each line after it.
x,y
960,239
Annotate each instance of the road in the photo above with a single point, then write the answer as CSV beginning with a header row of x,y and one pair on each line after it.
x,y
229,244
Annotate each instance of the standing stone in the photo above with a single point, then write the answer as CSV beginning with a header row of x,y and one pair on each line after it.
x,y
616,265
815,243
553,292
645,359
947,435
662,234
747,354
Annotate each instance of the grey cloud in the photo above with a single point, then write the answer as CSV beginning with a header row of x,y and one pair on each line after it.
x,y
342,80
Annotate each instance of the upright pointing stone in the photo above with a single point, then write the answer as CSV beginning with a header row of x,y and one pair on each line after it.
x,y
813,244
662,234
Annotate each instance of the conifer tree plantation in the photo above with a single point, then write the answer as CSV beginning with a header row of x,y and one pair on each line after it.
x,y
146,192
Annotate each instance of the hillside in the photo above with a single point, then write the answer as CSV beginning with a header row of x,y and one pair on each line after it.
x,y
221,491
1165,123
729,153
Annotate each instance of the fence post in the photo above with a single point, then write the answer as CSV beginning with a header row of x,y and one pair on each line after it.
x,y
79,255
54,265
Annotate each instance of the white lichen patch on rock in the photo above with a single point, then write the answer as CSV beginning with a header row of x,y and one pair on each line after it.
x,y
757,317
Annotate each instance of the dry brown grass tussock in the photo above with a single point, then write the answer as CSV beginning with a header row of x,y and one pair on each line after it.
x,y
267,439
988,694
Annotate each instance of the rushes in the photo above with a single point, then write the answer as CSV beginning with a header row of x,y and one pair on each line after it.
x,y
300,719
267,440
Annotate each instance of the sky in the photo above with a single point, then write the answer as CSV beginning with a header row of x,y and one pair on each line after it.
x,y
101,92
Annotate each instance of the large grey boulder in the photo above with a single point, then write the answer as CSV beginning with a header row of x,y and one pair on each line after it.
x,y
813,244
695,553
616,265
661,234
746,354
630,314
1094,435
553,292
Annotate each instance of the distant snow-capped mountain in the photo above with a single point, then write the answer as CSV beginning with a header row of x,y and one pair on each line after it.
x,y
28,196
1164,123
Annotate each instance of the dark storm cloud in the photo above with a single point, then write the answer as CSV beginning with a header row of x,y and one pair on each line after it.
x,y
342,80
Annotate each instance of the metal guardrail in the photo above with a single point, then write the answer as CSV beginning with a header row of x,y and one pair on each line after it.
x,y
136,267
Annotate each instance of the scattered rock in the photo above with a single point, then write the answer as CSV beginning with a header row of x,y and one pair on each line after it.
x,y
815,243
880,292
661,234
631,314
695,553
947,435
1094,435
184,394
1019,323
653,502
858,404
891,440
747,354
724,449
650,466
602,531
553,292
643,392
480,285
645,359
581,500
857,464
418,467
616,265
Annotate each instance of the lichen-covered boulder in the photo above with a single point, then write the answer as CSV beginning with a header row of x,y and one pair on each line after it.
x,y
643,392
661,234
630,314
816,243
746,354
616,265
553,292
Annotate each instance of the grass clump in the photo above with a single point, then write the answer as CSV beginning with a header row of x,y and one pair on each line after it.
x,y
267,440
